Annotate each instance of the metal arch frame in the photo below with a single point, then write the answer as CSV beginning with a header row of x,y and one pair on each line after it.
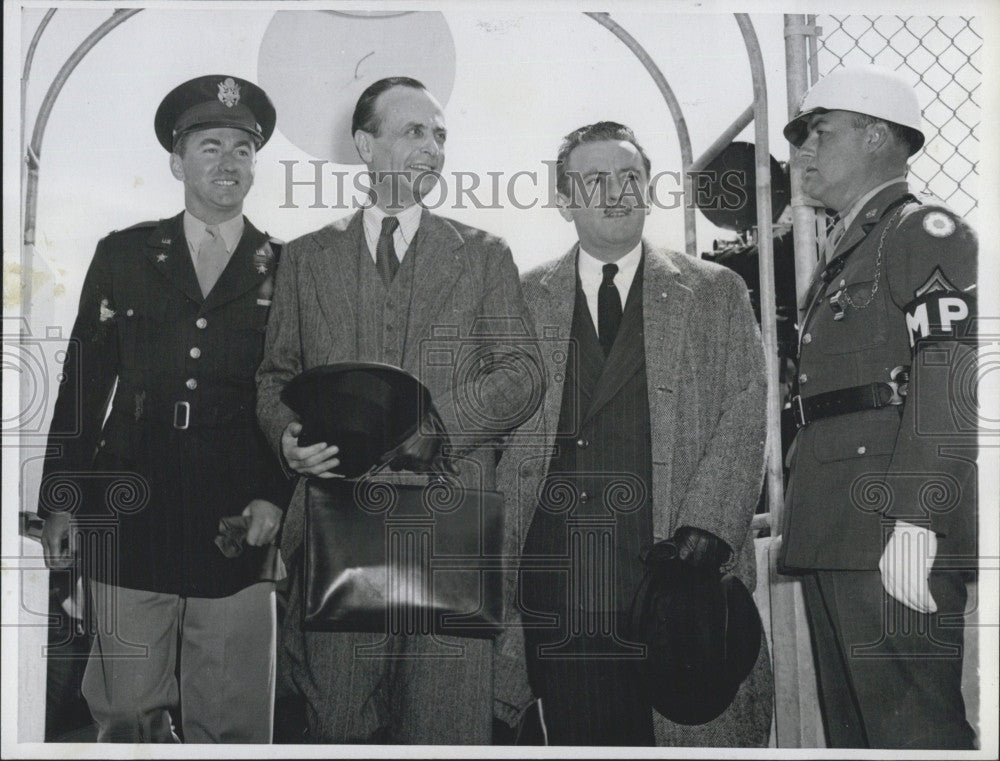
x,y
757,112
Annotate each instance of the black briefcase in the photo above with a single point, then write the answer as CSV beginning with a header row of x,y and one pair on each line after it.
x,y
403,559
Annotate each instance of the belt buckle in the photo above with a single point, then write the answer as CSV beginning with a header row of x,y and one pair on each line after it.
x,y
798,411
182,415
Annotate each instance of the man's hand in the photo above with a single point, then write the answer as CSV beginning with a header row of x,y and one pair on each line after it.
x,y
55,541
315,460
906,564
265,519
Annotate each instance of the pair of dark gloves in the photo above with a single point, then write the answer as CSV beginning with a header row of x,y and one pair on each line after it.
x,y
696,548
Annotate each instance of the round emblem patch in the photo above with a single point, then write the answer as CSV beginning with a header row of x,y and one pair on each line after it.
x,y
939,225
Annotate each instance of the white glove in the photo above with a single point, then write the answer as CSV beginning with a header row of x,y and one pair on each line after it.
x,y
906,564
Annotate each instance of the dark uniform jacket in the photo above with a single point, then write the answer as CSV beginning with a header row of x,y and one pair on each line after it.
x,y
900,292
146,491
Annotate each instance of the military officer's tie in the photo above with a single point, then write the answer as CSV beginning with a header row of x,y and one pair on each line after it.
x,y
213,256
385,252
834,235
609,309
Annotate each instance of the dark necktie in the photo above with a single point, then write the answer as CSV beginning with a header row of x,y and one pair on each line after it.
x,y
385,252
609,309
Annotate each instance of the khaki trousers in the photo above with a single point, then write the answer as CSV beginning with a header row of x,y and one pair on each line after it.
x,y
210,659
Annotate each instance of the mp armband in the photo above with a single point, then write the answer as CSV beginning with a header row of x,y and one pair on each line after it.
x,y
939,315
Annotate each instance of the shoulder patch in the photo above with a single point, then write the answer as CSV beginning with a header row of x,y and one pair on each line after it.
x,y
936,282
938,224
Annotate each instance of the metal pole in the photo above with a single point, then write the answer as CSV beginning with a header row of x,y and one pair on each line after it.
x,y
797,32
690,240
35,148
25,73
723,140
765,245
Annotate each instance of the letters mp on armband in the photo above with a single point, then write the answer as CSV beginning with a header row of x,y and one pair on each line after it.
x,y
939,315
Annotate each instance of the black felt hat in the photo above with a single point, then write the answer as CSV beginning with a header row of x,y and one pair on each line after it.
x,y
702,633
365,408
216,100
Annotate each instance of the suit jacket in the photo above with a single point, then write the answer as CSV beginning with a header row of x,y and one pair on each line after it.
x,y
466,299
897,286
145,334
706,387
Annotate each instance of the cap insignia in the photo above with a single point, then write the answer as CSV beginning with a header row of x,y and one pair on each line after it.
x,y
229,92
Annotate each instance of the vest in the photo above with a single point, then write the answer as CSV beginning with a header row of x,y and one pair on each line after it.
x,y
595,504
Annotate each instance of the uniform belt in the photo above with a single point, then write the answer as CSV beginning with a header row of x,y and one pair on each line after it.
x,y
186,416
871,396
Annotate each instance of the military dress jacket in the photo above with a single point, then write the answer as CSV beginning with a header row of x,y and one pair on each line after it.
x,y
704,364
149,480
898,292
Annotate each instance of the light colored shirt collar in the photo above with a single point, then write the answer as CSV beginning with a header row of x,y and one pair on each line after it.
x,y
194,230
858,205
591,271
409,221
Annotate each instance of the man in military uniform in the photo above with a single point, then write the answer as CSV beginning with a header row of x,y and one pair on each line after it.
x,y
169,333
881,500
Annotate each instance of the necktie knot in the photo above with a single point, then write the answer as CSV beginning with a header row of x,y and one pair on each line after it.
x,y
610,270
389,225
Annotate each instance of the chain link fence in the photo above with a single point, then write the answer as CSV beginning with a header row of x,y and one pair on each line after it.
x,y
941,56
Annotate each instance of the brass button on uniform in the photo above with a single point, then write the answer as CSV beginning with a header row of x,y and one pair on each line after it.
x,y
803,378
862,450
582,443
807,338
201,323
584,497
195,352
191,383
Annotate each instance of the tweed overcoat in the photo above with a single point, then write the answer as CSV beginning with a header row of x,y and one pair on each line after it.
x,y
465,299
705,379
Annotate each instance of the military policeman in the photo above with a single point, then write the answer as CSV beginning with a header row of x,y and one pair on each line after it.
x,y
160,377
881,501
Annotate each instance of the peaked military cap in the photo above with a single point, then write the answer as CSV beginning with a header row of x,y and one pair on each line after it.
x,y
216,100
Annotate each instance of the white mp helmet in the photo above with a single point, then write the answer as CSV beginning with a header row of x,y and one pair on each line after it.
x,y
870,90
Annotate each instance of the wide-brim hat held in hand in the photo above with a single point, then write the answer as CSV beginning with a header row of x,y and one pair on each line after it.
x,y
702,632
367,409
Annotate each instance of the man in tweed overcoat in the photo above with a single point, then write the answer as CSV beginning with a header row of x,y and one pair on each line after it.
x,y
385,285
654,429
